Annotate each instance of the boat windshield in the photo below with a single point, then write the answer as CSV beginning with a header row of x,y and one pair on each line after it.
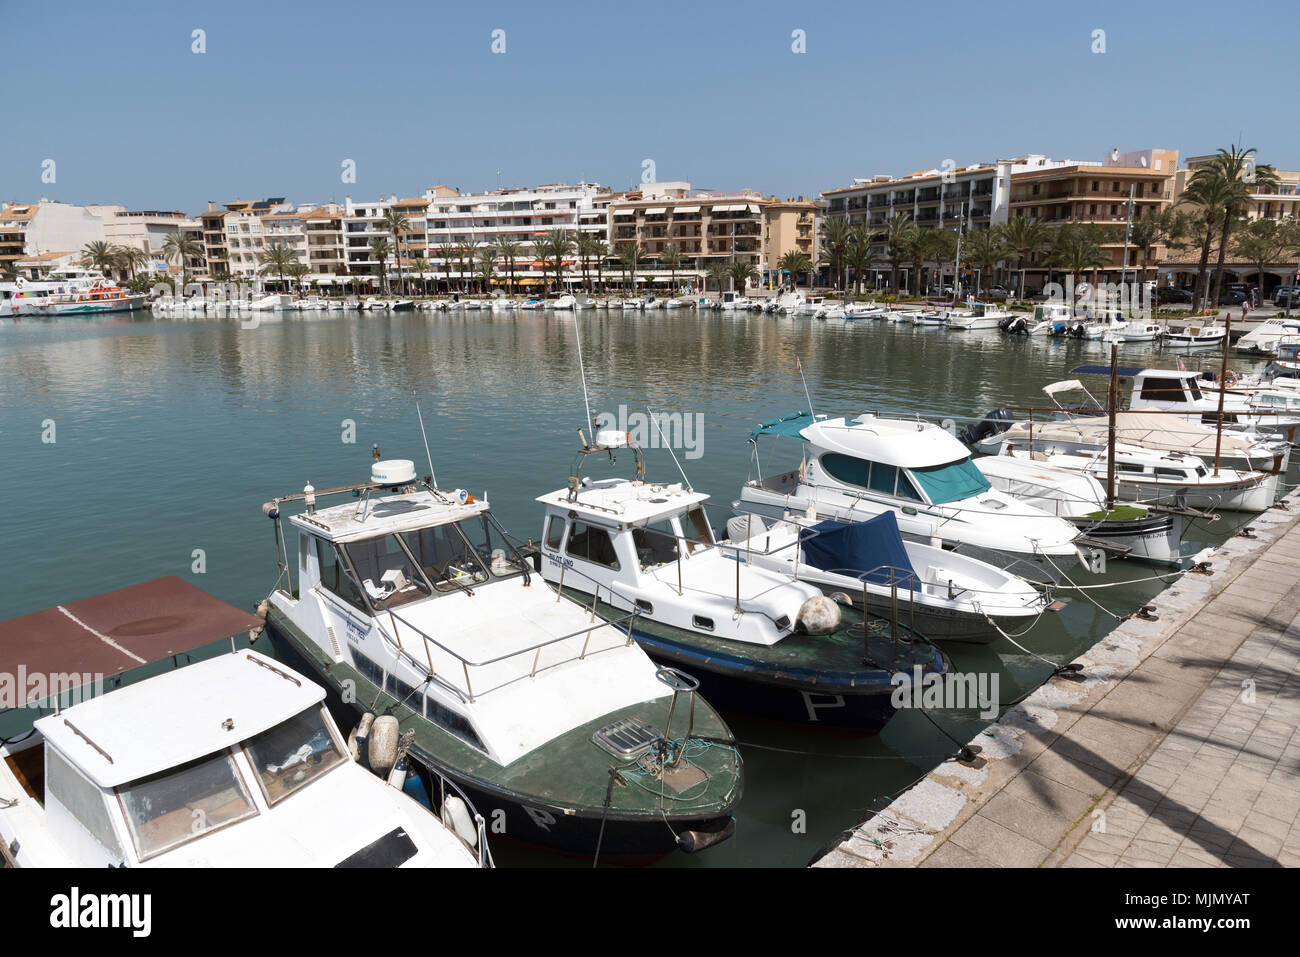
x,y
446,557
952,482
293,754
386,571
181,804
493,548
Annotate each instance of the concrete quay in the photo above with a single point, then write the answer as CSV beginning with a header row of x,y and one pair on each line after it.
x,y
1179,748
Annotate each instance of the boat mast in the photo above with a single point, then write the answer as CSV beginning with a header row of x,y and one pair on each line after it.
x,y
1112,397
1223,372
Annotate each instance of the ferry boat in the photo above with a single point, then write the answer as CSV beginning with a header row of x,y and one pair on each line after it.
x,y
98,780
854,469
759,641
413,601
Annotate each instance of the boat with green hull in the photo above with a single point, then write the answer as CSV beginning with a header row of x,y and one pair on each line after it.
x,y
413,602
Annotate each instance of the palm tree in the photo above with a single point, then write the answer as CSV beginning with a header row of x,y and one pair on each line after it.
x,y
277,258
671,256
448,251
741,273
600,252
380,251
557,244
1231,168
132,259
180,247
1025,238
794,262
395,223
898,237
1076,251
835,242
859,254
98,255
510,250
487,256
718,272
466,253
421,266
628,256
985,248
10,269
297,271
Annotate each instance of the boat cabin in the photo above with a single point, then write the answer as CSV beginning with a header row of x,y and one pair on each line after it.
x,y
1175,390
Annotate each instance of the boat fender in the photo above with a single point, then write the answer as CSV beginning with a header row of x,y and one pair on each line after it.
x,y
455,815
397,776
381,746
692,841
841,598
1230,379
819,615
357,739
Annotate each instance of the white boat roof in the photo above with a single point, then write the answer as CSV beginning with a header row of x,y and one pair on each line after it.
x,y
1167,433
906,443
624,500
387,514
177,717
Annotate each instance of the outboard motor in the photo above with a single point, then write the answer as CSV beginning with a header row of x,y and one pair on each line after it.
x,y
997,421
1017,326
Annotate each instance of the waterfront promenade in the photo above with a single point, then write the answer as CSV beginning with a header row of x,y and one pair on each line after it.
x,y
1179,749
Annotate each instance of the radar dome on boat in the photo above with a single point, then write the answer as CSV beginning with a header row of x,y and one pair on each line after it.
x,y
612,439
393,472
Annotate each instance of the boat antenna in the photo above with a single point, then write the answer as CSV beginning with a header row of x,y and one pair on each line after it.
x,y
799,365
577,332
425,436
668,445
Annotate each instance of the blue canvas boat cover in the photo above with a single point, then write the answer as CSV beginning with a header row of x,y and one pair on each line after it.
x,y
788,425
874,546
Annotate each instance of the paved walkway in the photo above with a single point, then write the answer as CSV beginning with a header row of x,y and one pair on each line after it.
x,y
1180,749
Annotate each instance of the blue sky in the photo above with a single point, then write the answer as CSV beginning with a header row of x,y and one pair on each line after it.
x,y
710,91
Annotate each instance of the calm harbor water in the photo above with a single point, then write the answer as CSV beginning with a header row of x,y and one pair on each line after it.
x,y
169,434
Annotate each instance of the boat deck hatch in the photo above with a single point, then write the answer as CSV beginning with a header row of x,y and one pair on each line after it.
x,y
627,738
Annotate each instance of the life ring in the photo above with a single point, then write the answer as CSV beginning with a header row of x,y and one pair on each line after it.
x,y
1229,379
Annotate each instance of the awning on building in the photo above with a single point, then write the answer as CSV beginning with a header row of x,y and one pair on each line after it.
x,y
686,209
625,212
657,211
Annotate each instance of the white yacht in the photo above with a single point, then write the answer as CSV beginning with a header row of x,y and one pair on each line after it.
x,y
1263,339
854,469
413,600
1196,334
566,301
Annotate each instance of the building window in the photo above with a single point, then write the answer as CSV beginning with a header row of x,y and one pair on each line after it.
x,y
1096,185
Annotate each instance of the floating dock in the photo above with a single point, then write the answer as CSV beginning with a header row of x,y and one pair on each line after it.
x,y
1178,748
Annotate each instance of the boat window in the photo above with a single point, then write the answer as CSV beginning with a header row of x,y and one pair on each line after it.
x,y
368,669
83,799
695,525
334,576
884,478
385,570
453,723
1129,467
446,557
554,532
1170,473
592,544
501,558
292,754
1162,390
656,543
850,470
180,804
949,483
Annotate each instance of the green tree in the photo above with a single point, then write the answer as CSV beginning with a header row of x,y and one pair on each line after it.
x,y
1025,238
719,272
179,247
835,247
510,250
793,263
859,253
985,248
629,254
741,273
898,240
395,223
1234,175
380,251
671,256
276,259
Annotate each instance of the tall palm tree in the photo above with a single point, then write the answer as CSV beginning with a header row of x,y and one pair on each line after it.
x,y
466,252
671,256
395,223
898,237
1211,197
1230,169
298,272
98,255
448,252
835,242
860,254
628,256
719,273
557,245
132,259
741,273
600,252
421,266
510,250
1025,238
1077,251
794,262
985,248
380,251
180,247
487,257
276,259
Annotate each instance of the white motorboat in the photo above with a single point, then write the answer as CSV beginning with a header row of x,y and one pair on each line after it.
x,y
928,317
266,303
636,303
806,305
1127,531
830,310
1263,339
1196,334
566,301
855,469
1134,332
734,300
231,761
865,310
417,603
675,304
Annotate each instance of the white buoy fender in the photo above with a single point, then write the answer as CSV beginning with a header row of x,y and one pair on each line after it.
x,y
357,739
455,815
381,749
819,615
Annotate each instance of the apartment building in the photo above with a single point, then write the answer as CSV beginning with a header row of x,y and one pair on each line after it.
x,y
14,221
518,214
705,228
789,226
1098,194
147,230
